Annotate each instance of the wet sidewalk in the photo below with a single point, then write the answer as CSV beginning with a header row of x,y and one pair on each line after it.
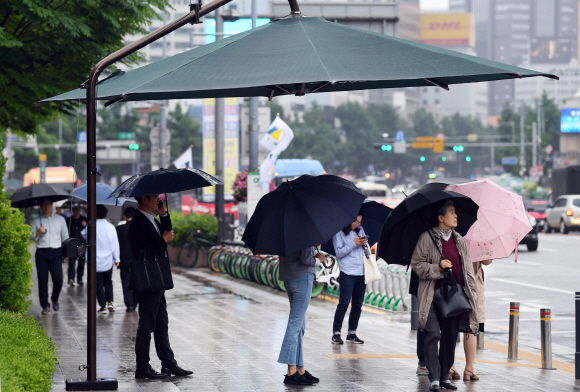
x,y
229,333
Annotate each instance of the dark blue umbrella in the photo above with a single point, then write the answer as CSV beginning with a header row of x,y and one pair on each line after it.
x,y
32,195
103,192
302,213
164,181
374,216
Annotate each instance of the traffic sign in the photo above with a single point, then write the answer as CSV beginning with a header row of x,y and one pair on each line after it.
x,y
400,147
440,135
422,144
400,136
126,135
42,157
82,138
509,161
438,145
540,168
424,138
472,137
533,171
549,149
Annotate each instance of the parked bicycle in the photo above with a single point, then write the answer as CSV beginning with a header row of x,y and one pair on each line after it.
x,y
189,253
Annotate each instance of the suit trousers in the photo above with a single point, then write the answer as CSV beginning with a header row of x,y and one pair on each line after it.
x,y
153,318
105,287
80,269
128,297
48,261
443,333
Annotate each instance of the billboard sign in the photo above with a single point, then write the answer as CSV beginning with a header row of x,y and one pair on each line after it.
x,y
448,29
570,121
550,50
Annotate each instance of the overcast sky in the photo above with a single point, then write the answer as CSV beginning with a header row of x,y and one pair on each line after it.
x,y
434,4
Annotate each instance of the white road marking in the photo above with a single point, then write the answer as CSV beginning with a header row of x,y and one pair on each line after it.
x,y
534,286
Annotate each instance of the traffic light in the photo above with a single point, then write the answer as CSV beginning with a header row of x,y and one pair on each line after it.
x,y
422,159
387,147
443,159
468,159
458,148
134,146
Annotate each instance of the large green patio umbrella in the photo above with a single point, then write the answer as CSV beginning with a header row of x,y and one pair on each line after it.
x,y
299,55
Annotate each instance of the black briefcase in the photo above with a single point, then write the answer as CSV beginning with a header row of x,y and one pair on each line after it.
x,y
151,274
450,299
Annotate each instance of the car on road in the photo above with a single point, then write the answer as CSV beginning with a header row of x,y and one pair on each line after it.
x,y
531,239
537,209
563,215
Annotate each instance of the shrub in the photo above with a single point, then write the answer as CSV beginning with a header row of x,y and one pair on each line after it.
x,y
240,186
27,355
15,266
182,224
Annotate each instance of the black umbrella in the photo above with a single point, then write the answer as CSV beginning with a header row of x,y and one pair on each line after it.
x,y
301,213
164,181
31,196
441,184
412,218
374,216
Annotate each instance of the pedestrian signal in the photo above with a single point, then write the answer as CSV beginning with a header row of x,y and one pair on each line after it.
x,y
134,146
458,148
387,147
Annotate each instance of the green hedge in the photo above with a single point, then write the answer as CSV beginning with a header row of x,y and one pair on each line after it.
x,y
206,223
27,355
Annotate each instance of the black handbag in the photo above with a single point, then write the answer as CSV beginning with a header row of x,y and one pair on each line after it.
x,y
450,299
150,274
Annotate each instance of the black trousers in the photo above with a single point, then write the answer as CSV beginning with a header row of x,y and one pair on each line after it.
x,y
153,318
128,297
442,333
48,261
351,288
105,287
79,270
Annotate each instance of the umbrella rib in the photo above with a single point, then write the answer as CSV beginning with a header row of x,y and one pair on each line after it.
x,y
315,51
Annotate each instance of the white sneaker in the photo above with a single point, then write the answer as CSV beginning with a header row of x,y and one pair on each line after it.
x,y
102,310
422,370
111,307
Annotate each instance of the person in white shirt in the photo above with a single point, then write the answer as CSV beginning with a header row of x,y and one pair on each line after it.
x,y
107,256
49,230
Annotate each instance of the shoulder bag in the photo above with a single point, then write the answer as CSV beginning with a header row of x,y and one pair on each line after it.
x,y
150,274
450,299
372,272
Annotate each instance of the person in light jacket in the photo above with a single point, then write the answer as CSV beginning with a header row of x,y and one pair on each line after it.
x,y
429,266
348,245
297,271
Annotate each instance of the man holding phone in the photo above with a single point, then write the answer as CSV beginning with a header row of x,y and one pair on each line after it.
x,y
147,234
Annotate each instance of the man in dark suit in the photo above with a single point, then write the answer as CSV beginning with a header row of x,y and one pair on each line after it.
x,y
149,235
126,258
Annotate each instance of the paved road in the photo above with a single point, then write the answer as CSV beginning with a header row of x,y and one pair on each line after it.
x,y
546,278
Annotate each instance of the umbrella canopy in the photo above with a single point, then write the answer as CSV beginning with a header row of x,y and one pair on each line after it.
x,y
299,55
32,195
103,192
412,218
164,181
441,184
374,216
502,220
302,213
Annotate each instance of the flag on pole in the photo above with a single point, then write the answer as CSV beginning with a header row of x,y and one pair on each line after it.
x,y
267,171
185,160
279,135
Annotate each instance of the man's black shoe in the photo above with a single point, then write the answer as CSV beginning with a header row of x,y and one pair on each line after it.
x,y
140,374
353,339
80,283
310,377
46,310
336,339
447,385
297,379
176,371
130,309
55,306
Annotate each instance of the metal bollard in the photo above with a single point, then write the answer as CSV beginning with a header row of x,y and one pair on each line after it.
x,y
514,330
577,356
480,341
546,329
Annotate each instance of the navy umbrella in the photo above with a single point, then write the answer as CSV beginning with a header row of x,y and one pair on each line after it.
x,y
302,213
441,184
164,181
103,192
374,216
32,195
412,218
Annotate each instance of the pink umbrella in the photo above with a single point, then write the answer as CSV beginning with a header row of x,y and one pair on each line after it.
x,y
502,221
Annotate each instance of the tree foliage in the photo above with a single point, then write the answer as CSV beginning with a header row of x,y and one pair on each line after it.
x,y
49,47
185,132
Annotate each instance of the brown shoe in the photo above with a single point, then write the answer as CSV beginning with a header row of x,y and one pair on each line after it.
x,y
468,375
454,374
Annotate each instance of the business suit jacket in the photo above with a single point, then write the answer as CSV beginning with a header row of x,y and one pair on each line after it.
x,y
142,235
124,245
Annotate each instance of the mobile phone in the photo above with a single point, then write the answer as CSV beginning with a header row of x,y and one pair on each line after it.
x,y
365,237
159,204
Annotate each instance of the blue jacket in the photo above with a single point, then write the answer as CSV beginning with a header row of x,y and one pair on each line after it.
x,y
348,254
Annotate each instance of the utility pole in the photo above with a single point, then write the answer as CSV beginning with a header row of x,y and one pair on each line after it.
x,y
163,114
522,141
534,144
59,141
254,127
219,143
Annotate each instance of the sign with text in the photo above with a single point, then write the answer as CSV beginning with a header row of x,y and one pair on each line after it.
x,y
448,29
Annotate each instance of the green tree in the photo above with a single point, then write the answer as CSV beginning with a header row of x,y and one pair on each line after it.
x,y
50,47
15,266
185,132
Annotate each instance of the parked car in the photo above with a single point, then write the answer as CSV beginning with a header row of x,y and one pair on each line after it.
x,y
537,209
563,214
531,239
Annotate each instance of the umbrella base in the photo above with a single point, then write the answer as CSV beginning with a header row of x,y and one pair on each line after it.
x,y
100,384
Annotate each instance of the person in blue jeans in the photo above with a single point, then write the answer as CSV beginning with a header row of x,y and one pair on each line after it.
x,y
297,271
348,245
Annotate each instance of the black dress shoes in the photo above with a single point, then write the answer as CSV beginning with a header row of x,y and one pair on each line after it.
x,y
141,374
176,371
55,306
447,385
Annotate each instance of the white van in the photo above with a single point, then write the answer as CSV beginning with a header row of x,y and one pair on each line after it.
x,y
377,192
